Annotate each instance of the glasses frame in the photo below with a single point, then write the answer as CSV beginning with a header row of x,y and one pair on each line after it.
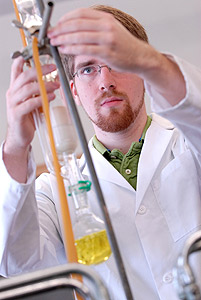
x,y
98,71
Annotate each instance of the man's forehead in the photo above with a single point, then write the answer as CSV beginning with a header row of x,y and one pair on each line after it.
x,y
85,59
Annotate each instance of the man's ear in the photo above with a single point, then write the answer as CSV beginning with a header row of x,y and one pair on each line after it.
x,y
74,92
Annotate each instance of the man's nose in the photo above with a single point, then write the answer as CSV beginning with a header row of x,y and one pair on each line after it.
x,y
106,80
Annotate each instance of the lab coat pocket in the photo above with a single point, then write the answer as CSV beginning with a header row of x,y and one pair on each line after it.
x,y
177,193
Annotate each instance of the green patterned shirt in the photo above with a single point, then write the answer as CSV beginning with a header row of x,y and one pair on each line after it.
x,y
125,164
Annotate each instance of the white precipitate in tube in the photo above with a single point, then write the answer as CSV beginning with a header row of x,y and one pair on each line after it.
x,y
63,130
29,13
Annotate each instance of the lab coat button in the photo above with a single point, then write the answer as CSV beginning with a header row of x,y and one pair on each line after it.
x,y
156,185
142,210
168,278
128,171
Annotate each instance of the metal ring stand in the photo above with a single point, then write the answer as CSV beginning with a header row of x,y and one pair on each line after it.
x,y
56,278
185,281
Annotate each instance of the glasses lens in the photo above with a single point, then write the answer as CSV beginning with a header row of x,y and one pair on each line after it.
x,y
90,72
87,71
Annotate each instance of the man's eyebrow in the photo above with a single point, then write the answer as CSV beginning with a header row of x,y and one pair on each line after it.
x,y
85,64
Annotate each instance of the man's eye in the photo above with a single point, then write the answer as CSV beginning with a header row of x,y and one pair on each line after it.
x,y
88,70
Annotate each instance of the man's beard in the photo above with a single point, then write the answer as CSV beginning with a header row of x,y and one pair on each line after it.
x,y
117,119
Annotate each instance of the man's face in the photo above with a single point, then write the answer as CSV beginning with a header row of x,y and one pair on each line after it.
x,y
112,100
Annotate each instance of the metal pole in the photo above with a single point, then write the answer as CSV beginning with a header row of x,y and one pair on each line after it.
x,y
46,21
46,279
83,141
40,7
73,110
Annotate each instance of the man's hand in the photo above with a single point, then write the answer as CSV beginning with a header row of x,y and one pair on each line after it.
x,y
95,33
90,32
23,97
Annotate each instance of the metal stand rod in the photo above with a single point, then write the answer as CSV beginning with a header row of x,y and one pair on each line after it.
x,y
82,138
46,20
73,110
46,279
40,7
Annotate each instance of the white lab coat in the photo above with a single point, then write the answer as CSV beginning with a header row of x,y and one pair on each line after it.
x,y
151,225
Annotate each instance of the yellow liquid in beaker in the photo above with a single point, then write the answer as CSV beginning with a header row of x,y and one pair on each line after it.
x,y
93,248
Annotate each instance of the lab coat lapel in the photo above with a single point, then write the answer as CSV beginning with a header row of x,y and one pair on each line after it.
x,y
158,137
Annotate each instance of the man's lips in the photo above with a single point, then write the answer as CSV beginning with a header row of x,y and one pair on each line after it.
x,y
110,100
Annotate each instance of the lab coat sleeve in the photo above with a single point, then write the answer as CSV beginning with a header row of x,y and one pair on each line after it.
x,y
29,238
186,115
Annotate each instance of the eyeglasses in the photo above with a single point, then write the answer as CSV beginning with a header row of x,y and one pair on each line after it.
x,y
90,72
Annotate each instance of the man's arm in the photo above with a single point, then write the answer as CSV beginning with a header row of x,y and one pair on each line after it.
x,y
186,116
29,237
96,33
25,227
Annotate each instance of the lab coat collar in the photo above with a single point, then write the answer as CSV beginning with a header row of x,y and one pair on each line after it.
x,y
152,152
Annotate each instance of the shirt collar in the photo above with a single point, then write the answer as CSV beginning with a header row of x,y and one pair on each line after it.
x,y
106,152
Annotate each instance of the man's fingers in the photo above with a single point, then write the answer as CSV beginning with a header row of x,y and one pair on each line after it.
x,y
31,89
16,69
28,91
87,19
78,25
95,50
33,103
30,76
85,13
84,38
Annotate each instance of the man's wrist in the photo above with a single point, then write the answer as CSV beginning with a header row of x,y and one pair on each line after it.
x,y
16,162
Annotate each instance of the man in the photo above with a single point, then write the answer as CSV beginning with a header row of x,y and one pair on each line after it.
x,y
149,169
